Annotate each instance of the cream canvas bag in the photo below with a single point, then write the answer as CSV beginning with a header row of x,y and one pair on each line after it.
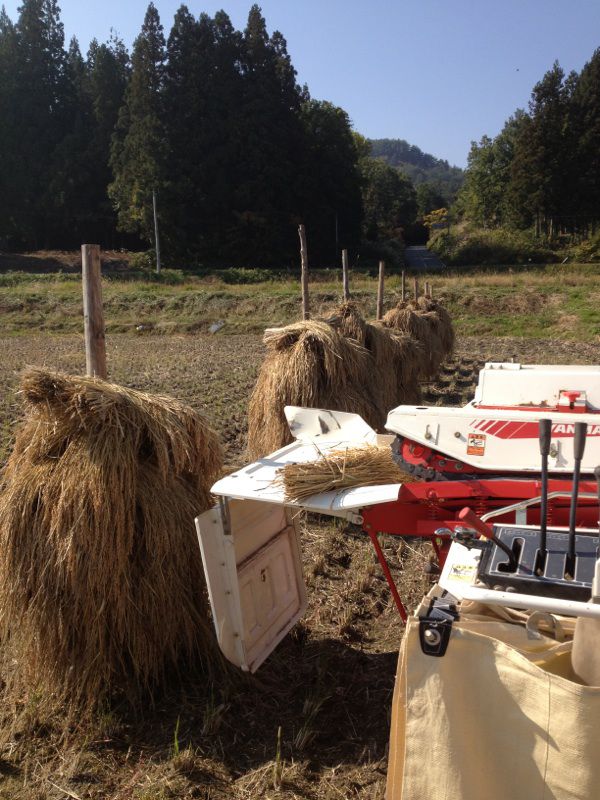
x,y
498,717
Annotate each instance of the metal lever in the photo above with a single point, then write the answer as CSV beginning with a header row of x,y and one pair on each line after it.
x,y
468,516
545,437
597,476
578,450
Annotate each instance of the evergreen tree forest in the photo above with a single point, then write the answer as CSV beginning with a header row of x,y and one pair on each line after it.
x,y
542,171
430,175
208,119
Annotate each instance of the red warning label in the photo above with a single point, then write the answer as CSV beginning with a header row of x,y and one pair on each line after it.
x,y
476,444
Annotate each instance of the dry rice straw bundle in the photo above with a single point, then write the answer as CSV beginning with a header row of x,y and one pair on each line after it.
x,y
101,583
443,322
397,357
341,469
429,323
308,364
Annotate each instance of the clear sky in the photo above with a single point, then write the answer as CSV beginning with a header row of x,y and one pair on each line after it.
x,y
436,73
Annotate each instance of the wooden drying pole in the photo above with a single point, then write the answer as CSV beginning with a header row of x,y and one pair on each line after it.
x,y
345,279
304,277
93,315
380,288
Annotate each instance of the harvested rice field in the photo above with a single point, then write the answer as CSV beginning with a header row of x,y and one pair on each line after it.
x,y
313,722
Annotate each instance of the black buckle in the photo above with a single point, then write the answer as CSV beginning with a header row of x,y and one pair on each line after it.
x,y
436,626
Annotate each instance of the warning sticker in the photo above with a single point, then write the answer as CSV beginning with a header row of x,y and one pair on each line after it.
x,y
476,444
465,573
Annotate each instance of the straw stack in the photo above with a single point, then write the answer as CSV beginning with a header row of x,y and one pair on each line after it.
x,y
101,583
307,364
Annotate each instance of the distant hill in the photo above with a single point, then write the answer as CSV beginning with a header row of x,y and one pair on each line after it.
x,y
419,166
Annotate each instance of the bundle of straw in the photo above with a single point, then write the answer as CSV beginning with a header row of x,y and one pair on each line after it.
x,y
369,465
443,322
101,583
430,324
397,356
308,364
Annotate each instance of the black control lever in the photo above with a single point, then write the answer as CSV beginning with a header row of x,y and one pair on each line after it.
x,y
578,449
545,437
597,476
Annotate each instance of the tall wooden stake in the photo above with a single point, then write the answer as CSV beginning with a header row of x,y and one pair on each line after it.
x,y
93,316
304,279
380,289
403,285
345,280
426,288
416,287
156,237
431,291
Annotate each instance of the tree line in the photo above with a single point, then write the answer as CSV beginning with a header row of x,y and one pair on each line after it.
x,y
437,182
542,170
209,119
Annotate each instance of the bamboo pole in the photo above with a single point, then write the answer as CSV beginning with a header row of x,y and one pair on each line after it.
x,y
431,291
403,285
416,287
380,289
304,279
93,315
345,277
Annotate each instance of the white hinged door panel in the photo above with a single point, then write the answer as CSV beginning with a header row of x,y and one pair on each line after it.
x,y
253,572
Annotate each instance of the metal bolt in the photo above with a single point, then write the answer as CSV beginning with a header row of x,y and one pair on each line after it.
x,y
457,434
432,637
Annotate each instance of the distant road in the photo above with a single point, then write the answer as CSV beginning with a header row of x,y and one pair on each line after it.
x,y
421,259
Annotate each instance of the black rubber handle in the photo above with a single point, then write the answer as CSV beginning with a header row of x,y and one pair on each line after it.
x,y
545,435
579,441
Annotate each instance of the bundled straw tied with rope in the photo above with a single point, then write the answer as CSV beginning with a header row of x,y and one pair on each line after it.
x,y
429,323
101,583
342,364
308,364
397,357
341,469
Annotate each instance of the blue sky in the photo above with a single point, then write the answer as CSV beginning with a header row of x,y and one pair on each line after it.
x,y
434,72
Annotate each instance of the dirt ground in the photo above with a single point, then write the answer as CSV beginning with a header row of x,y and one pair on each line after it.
x,y
322,700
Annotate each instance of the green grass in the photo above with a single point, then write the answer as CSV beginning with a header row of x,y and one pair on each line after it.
x,y
546,302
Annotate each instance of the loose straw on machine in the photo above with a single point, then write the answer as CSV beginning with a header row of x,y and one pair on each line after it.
x,y
369,465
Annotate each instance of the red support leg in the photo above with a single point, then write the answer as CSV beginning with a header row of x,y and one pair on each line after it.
x,y
388,575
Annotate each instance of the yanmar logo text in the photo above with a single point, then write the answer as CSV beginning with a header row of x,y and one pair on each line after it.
x,y
502,429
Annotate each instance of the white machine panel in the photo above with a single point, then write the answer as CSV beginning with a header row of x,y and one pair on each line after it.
x,y
317,432
499,440
507,384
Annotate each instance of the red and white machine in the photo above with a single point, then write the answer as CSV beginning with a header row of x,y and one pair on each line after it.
x,y
497,432
484,457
